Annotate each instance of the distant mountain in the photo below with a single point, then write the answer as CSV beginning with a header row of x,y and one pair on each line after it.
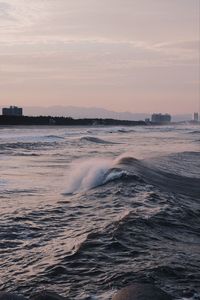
x,y
92,112
83,112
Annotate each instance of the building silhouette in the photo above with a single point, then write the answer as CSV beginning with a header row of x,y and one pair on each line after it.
x,y
161,118
196,117
12,111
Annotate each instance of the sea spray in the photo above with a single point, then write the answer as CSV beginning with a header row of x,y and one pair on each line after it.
x,y
88,174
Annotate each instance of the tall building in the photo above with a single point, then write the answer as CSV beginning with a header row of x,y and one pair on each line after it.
x,y
196,117
160,118
12,111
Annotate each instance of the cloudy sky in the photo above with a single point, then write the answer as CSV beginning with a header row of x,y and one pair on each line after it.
x,y
123,55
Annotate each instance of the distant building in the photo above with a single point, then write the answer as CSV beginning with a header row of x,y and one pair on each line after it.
x,y
12,111
196,117
160,118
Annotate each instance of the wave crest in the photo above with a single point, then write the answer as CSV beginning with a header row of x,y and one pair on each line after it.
x,y
89,174
95,140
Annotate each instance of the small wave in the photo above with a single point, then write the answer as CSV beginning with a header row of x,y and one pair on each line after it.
x,y
20,145
27,145
126,130
25,154
54,137
19,191
195,132
95,140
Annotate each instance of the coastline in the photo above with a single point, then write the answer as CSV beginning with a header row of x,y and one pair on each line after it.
x,y
65,121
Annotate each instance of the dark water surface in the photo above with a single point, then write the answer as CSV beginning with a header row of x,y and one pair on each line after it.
x,y
87,210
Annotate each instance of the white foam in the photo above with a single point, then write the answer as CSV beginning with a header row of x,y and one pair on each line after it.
x,y
114,174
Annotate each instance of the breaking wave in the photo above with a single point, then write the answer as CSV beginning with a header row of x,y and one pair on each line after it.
x,y
89,174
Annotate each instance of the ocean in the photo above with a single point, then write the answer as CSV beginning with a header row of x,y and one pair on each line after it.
x,y
85,211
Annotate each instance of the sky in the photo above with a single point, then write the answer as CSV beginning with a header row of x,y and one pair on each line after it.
x,y
122,55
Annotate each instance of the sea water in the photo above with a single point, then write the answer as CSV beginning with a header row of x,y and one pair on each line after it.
x,y
85,211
